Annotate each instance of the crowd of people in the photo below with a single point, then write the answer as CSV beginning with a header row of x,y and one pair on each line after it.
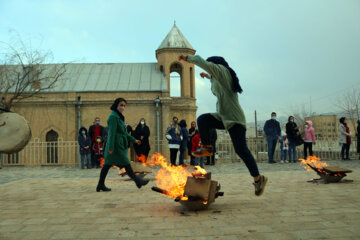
x,y
292,138
200,142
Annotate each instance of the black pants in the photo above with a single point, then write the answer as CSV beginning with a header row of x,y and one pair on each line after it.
x,y
105,170
173,154
238,138
308,145
345,149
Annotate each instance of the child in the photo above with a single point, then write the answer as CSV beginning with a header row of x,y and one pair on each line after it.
x,y
196,144
98,148
283,147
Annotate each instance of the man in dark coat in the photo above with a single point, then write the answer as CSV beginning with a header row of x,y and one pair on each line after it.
x,y
96,130
272,131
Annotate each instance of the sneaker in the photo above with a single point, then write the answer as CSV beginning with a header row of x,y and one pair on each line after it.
x,y
282,161
286,161
260,185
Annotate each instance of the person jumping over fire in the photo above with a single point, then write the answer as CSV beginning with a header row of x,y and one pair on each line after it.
x,y
116,146
230,116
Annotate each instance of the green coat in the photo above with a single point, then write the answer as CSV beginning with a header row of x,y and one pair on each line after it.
x,y
117,141
228,109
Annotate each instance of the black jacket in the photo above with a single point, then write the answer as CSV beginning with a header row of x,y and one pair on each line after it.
x,y
144,147
102,132
84,141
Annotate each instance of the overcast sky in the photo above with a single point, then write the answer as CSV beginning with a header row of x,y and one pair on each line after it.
x,y
287,54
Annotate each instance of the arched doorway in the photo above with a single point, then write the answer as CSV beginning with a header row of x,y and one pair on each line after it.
x,y
52,147
175,80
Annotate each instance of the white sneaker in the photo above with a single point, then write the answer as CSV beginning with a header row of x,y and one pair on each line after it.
x,y
286,161
282,161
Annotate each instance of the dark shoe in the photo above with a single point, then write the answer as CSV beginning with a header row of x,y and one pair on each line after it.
x,y
271,162
212,164
102,188
260,185
141,182
207,163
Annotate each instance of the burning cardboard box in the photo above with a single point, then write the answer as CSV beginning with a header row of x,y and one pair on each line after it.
x,y
327,174
199,192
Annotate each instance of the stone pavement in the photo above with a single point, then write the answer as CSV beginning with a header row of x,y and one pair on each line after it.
x,y
61,203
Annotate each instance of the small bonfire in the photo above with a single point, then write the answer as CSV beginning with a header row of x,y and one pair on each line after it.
x,y
327,174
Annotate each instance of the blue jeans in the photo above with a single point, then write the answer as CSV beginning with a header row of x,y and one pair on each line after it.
x,y
238,138
271,141
292,150
283,154
88,160
181,157
197,159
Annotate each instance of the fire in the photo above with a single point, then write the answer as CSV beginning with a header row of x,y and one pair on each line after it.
x,y
168,177
314,162
102,160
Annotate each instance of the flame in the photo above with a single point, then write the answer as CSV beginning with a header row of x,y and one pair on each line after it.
x,y
102,160
314,162
171,178
142,158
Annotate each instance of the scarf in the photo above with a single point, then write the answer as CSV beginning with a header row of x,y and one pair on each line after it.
x,y
348,138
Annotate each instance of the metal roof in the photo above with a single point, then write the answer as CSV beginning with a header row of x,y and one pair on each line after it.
x,y
110,77
175,39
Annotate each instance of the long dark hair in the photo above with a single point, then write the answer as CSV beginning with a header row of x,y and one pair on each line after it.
x,y
115,105
235,81
341,120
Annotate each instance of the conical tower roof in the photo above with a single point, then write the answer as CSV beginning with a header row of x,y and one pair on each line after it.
x,y
175,39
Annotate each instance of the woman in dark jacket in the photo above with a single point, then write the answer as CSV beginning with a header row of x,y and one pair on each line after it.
x,y
117,145
192,132
142,133
85,150
292,131
183,143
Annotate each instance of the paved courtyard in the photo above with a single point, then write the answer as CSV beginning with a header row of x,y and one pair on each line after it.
x,y
61,203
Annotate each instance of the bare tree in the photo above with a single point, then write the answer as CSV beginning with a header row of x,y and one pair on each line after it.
x,y
25,72
349,103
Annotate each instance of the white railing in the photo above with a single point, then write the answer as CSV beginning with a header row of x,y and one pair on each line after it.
x,y
66,153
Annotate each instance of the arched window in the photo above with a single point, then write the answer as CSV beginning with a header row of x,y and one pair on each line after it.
x,y
175,80
52,147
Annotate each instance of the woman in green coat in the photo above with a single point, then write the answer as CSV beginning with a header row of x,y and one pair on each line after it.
x,y
116,146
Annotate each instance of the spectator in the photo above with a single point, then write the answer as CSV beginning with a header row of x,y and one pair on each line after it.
x,y
309,138
116,147
98,148
192,132
142,133
283,147
96,130
174,137
344,138
272,131
213,138
85,150
196,143
292,132
183,143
